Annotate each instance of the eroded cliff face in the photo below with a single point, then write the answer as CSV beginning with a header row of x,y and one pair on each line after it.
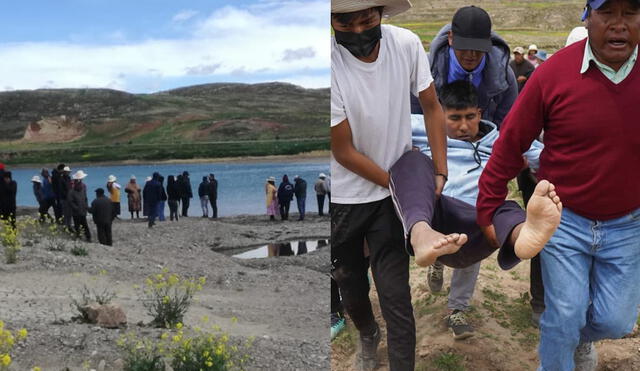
x,y
55,129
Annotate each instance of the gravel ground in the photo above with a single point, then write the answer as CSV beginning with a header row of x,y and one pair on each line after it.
x,y
283,302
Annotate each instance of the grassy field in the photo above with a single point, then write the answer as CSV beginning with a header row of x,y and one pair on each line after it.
x,y
162,151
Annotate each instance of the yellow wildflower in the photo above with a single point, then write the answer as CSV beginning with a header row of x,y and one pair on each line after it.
x,y
5,360
36,369
22,333
164,336
179,325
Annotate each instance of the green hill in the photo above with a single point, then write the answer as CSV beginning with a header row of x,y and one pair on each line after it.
x,y
211,120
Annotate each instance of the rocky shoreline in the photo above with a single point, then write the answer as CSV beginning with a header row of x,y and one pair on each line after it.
x,y
282,302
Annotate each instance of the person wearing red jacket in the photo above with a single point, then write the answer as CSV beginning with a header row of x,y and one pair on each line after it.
x,y
585,98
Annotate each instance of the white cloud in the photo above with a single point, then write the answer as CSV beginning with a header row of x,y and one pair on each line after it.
x,y
184,15
245,42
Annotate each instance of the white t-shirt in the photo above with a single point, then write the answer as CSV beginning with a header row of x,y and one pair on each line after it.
x,y
375,99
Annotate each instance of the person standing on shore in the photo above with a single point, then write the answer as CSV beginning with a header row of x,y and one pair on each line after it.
x,y
185,192
320,193
285,195
173,194
65,187
203,193
37,189
48,197
101,209
300,190
272,198
163,200
134,198
114,192
56,179
79,205
152,194
213,195
8,207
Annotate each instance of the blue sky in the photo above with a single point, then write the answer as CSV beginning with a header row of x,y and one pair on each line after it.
x,y
145,46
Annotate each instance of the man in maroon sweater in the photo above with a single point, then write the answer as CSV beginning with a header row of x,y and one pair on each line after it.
x,y
586,99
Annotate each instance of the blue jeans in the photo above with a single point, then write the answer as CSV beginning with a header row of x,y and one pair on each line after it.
x,y
590,271
160,211
301,202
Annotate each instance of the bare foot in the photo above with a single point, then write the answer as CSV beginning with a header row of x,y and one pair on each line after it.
x,y
428,244
543,217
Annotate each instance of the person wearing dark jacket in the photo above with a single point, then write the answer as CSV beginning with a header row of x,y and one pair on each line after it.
x,y
101,209
203,193
152,194
9,191
64,187
285,195
173,193
58,191
300,190
48,197
79,205
185,192
163,199
488,68
213,195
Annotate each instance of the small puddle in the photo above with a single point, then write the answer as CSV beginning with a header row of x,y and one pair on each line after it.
x,y
282,249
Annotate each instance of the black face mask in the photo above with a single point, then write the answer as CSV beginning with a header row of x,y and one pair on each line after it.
x,y
359,44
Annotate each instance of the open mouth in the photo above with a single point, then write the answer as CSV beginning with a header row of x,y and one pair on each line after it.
x,y
617,43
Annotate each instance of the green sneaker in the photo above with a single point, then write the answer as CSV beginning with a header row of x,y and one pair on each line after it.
x,y
434,276
337,324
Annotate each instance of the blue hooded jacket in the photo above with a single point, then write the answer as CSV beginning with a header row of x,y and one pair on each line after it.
x,y
499,88
464,170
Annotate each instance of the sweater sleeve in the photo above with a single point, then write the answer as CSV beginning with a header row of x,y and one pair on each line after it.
x,y
521,126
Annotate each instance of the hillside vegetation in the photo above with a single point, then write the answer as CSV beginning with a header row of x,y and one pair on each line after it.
x,y
211,120
521,23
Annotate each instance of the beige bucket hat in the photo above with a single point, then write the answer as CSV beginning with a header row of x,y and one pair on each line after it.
x,y
79,175
391,7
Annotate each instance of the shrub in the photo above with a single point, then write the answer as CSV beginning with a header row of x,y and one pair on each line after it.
x,y
79,250
185,350
167,297
7,341
10,241
141,354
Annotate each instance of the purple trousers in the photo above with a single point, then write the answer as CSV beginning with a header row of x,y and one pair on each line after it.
x,y
412,188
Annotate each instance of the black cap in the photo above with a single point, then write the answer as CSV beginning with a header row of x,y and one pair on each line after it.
x,y
471,28
99,191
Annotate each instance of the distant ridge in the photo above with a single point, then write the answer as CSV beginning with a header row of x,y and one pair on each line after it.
x,y
200,113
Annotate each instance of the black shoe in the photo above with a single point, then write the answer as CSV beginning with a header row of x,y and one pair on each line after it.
x,y
434,276
457,322
368,350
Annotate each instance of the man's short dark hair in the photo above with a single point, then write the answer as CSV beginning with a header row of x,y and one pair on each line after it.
x,y
346,18
458,95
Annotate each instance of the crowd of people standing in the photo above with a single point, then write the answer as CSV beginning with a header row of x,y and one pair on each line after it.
x,y
278,199
66,195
